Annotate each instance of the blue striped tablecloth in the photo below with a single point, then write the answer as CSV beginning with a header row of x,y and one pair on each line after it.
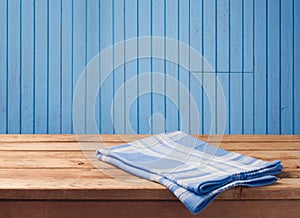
x,y
191,169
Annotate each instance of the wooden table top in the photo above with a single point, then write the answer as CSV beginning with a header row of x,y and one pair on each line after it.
x,y
63,167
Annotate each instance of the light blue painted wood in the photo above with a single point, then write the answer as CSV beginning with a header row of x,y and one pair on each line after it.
x,y
210,56
260,75
67,66
54,95
158,101
119,72
171,69
144,66
92,82
195,86
223,55
286,67
273,68
236,102
131,107
106,25
79,44
14,67
3,66
27,67
40,67
46,45
248,112
184,74
296,67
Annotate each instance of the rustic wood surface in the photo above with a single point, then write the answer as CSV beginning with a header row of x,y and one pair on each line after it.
x,y
63,168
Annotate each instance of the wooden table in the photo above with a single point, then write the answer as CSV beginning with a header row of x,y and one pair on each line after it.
x,y
50,176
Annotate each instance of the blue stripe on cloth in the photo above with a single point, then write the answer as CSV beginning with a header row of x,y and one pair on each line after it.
x,y
193,170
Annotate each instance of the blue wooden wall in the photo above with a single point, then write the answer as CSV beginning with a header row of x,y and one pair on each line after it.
x,y
254,46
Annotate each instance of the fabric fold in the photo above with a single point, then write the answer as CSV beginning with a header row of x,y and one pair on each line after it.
x,y
191,169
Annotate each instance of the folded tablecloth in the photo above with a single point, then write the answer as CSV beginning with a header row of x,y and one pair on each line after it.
x,y
191,169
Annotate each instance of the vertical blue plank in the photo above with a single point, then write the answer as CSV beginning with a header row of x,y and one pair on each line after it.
x,y
27,57
273,68
296,67
14,62
286,67
119,124
3,66
158,106
223,55
40,66
195,86
183,74
92,50
260,68
54,90
144,67
79,43
106,21
131,113
171,89
248,66
210,55
67,40
236,67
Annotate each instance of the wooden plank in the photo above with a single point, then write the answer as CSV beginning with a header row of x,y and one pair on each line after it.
x,y
235,73
52,175
209,43
17,158
223,58
41,66
131,70
69,146
265,155
144,66
119,71
88,172
79,57
14,67
296,69
93,75
248,96
273,68
171,69
40,163
30,163
132,188
27,67
184,92
54,60
195,77
165,209
127,137
67,66
289,173
286,70
3,66
260,74
158,86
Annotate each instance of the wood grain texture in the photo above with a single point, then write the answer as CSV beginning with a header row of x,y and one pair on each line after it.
x,y
58,167
147,209
128,137
51,176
